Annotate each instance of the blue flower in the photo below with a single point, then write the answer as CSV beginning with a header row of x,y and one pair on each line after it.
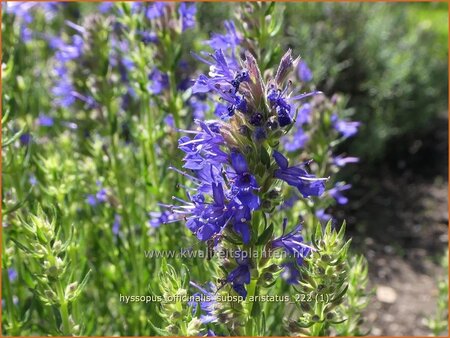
x,y
203,149
23,10
187,13
307,184
244,182
63,91
322,215
296,142
304,115
224,78
346,128
148,37
199,106
170,121
91,200
100,197
342,161
336,192
240,276
12,274
304,73
105,7
292,243
279,101
216,203
209,218
221,111
159,218
155,10
159,81
65,51
32,180
226,85
243,179
207,302
25,139
45,121
290,273
116,224
230,40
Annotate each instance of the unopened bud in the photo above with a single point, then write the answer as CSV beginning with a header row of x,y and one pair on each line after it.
x,y
268,277
57,246
174,316
181,292
70,290
172,329
315,318
50,294
305,306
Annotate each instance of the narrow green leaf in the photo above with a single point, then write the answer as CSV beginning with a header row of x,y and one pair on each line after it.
x,y
265,236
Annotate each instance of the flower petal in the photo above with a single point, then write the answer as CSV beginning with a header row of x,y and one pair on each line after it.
x,y
280,159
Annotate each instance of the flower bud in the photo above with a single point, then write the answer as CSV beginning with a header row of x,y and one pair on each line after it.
x,y
70,290
51,295
194,327
172,329
57,246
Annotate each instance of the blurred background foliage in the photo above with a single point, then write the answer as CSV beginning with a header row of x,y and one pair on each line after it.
x,y
388,57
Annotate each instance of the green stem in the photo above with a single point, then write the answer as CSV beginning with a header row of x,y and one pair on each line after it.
x,y
122,195
64,309
317,328
173,98
149,117
9,302
252,292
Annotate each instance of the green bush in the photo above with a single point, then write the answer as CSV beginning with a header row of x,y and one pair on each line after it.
x,y
390,58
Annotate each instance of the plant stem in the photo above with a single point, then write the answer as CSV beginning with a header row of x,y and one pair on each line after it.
x,y
64,309
252,292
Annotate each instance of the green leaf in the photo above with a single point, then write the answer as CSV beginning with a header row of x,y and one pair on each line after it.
x,y
340,294
341,232
316,236
21,246
160,332
328,229
83,282
256,309
270,9
265,236
186,277
343,251
265,157
28,279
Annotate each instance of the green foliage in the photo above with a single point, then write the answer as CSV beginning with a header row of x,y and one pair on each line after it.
x,y
47,269
325,279
376,54
356,299
438,323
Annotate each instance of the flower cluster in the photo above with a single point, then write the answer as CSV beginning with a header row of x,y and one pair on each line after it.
x,y
234,165
25,11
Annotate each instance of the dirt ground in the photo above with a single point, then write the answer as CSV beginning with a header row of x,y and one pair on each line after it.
x,y
399,220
